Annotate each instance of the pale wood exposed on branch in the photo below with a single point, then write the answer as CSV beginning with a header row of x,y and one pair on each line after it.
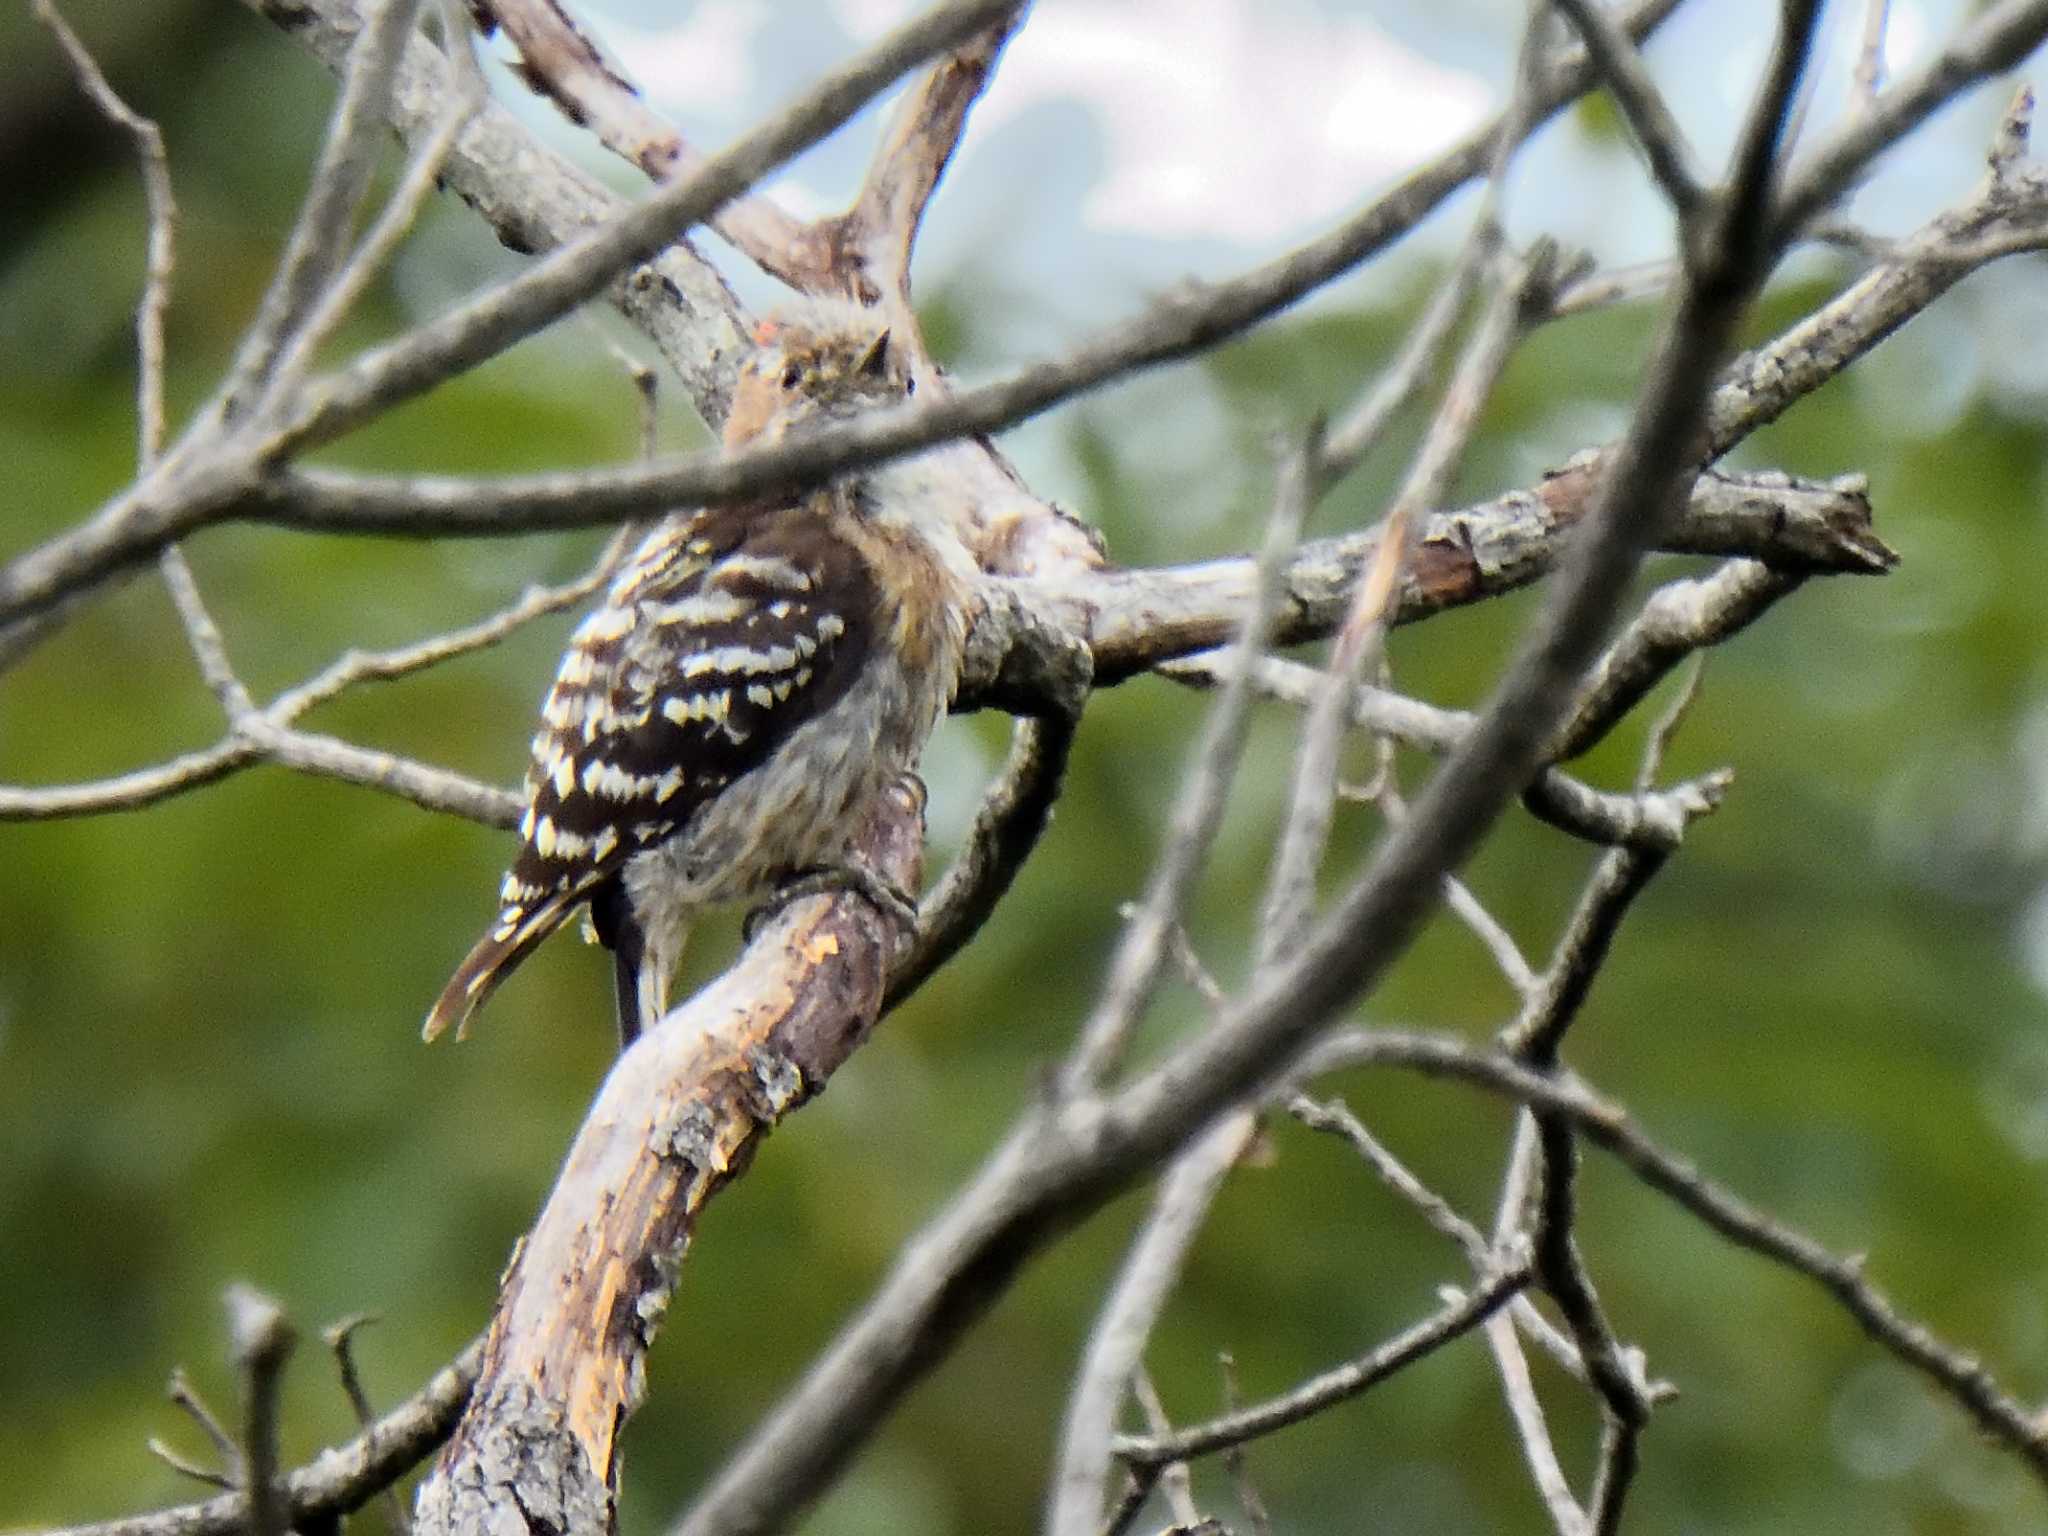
x,y
679,1117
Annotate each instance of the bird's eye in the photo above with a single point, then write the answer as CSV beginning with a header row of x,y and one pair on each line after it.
x,y
792,376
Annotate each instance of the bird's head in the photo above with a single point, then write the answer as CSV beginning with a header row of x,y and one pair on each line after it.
x,y
818,360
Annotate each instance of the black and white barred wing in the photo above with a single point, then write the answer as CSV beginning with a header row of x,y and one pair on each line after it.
x,y
727,630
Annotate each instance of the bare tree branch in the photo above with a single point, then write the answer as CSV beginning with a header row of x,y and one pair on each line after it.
x,y
1023,656
166,506
1989,45
1116,1344
1957,1374
340,1479
208,475
341,177
566,1355
263,1340
871,242
677,1119
1345,1381
1134,971
340,1338
394,223
563,62
1642,104
1376,600
1063,1160
1013,815
1679,619
1869,77
1174,1480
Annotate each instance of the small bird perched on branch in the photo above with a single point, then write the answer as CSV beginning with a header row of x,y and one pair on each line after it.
x,y
757,673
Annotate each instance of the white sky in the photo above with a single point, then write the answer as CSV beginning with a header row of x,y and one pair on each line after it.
x,y
1240,121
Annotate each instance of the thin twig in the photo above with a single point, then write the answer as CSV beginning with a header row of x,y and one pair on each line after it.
x,y
1615,1371
341,177
340,1479
1137,1488
1135,968
1670,158
159,266
1116,1344
1664,729
1620,1456
1524,1406
1956,1373
1334,1117
266,735
1467,908
340,1338
163,219
1014,813
1677,620
262,1339
353,667
185,1467
209,649
401,211
1658,818
1620,876
1531,1429
1869,77
225,1447
1992,43
1356,433
1344,1381
1174,1479
1235,1461
1290,893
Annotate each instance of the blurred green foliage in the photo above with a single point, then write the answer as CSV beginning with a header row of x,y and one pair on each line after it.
x,y
209,1067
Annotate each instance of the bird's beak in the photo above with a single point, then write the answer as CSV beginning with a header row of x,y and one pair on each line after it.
x,y
874,362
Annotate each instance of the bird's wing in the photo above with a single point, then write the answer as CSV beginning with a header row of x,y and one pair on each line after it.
x,y
729,627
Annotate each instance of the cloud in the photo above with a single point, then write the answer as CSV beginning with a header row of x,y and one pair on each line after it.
x,y
1230,118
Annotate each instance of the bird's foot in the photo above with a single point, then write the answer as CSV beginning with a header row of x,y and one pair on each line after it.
x,y
829,879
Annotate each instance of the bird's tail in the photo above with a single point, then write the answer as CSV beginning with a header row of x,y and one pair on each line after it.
x,y
496,954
